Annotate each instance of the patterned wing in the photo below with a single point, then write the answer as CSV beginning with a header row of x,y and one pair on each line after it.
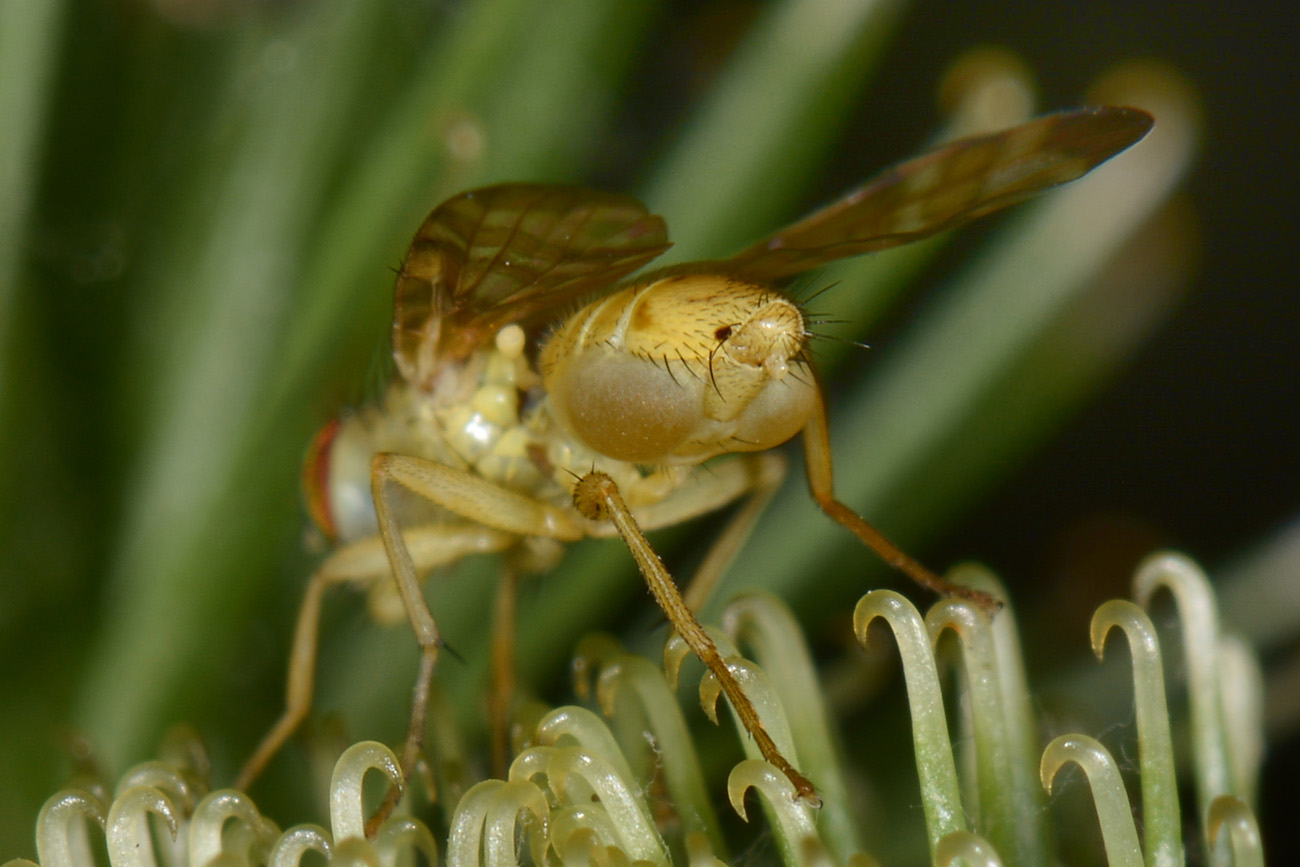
x,y
946,187
510,253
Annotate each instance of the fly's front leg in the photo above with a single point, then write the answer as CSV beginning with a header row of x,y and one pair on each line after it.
x,y
817,455
471,497
597,497
422,622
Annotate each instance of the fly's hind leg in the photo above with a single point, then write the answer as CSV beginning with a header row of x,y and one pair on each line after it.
x,y
360,563
493,519
504,641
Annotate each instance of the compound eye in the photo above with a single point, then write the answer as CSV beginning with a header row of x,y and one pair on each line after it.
x,y
316,479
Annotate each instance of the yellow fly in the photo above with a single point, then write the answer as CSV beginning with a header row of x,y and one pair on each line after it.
x,y
498,411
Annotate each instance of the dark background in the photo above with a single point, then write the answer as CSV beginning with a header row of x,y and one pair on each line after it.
x,y
1196,444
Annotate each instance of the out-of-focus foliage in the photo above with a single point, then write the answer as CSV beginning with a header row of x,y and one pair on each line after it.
x,y
627,785
201,202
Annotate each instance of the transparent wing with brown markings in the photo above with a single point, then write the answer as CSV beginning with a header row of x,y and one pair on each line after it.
x,y
947,187
510,253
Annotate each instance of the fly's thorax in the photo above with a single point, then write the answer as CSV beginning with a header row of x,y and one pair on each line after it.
x,y
472,423
681,368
